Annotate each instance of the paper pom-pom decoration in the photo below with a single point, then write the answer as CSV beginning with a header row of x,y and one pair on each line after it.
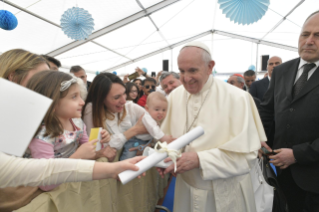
x,y
252,67
77,23
97,73
145,70
8,21
244,11
114,72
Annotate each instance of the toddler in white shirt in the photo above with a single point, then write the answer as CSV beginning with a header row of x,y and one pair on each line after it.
x,y
156,109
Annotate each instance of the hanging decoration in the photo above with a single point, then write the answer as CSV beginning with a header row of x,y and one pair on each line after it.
x,y
145,70
97,73
77,23
8,21
244,11
252,67
114,72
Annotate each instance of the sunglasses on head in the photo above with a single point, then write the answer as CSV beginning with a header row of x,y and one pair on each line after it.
x,y
148,86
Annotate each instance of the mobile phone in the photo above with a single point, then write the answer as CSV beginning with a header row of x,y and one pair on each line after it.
x,y
153,74
133,76
266,152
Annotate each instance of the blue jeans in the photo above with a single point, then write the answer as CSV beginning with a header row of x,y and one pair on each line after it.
x,y
133,142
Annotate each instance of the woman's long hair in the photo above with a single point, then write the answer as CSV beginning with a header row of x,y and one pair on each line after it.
x,y
99,89
129,87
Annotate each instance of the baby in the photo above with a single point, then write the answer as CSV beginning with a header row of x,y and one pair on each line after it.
x,y
156,108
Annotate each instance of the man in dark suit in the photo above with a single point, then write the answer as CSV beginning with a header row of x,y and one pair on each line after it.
x,y
79,72
292,100
259,88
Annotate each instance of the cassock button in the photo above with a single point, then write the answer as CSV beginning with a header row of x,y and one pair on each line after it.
x,y
291,109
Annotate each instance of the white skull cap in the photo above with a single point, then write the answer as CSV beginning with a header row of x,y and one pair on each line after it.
x,y
199,45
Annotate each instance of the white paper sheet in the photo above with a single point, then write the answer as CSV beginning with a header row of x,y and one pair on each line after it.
x,y
156,157
21,112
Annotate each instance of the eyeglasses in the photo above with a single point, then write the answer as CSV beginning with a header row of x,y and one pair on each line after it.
x,y
148,86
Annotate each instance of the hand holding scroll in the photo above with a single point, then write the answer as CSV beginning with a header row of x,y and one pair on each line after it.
x,y
188,161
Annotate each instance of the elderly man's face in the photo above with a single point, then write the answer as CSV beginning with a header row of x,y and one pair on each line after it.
x,y
308,47
194,71
272,63
233,81
169,83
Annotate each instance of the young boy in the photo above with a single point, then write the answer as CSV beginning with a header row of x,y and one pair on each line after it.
x,y
149,85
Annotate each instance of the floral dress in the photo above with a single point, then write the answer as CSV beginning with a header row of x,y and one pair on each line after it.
x,y
62,146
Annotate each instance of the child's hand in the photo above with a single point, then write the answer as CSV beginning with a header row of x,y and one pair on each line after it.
x,y
105,136
108,152
86,151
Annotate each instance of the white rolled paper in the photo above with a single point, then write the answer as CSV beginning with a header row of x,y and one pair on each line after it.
x,y
156,157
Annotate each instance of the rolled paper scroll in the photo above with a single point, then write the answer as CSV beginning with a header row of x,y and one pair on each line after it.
x,y
156,157
172,153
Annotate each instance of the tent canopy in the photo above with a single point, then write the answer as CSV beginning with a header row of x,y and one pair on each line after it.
x,y
130,33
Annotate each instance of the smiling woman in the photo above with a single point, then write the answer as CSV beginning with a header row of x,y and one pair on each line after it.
x,y
106,107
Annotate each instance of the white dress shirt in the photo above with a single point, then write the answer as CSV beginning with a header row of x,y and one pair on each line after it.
x,y
301,67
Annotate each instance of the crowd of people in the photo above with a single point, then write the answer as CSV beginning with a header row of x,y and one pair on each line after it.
x,y
278,112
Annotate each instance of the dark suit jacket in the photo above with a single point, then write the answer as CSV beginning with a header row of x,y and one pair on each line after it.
x,y
257,102
296,121
259,88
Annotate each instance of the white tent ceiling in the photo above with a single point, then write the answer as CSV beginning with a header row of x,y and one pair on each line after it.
x,y
130,33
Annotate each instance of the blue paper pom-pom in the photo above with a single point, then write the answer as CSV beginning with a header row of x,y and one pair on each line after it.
x,y
77,23
97,72
252,67
8,21
244,11
114,72
145,70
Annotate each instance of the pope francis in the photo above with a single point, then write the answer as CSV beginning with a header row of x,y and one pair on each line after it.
x,y
213,172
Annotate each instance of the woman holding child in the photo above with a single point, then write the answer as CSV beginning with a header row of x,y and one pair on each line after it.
x,y
106,107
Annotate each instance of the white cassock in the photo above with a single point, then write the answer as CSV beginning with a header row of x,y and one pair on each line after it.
x,y
227,151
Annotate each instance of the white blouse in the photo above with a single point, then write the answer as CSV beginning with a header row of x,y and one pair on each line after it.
x,y
133,113
42,172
